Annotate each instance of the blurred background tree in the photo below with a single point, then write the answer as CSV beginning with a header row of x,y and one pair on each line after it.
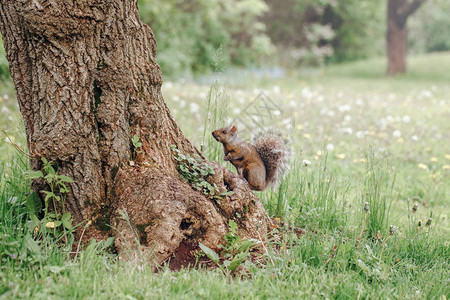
x,y
288,33
398,13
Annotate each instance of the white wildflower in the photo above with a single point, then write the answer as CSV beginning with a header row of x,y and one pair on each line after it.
x,y
347,130
360,134
397,134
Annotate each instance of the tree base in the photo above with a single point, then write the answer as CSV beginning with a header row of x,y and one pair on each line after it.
x,y
158,215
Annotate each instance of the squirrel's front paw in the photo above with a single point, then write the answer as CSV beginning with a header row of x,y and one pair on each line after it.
x,y
226,158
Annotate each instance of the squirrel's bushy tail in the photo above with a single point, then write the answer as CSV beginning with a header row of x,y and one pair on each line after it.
x,y
275,152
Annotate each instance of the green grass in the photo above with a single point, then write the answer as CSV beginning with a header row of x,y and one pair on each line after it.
x,y
367,137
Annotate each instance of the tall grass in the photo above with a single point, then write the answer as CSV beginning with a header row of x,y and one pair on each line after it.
x,y
378,191
216,116
310,196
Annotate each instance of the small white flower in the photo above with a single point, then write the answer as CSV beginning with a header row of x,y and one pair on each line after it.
x,y
276,89
415,138
347,118
277,112
360,134
397,134
236,110
347,130
426,94
406,119
330,147
343,108
306,92
306,162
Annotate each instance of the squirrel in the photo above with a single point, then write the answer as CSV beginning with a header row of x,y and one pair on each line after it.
x,y
263,162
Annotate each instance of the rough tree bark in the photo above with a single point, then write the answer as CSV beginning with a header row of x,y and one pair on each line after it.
x,y
398,12
87,81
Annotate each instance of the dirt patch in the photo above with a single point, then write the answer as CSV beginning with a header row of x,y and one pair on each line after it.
x,y
183,256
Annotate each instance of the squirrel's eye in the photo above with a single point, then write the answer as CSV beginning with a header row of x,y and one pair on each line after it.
x,y
224,132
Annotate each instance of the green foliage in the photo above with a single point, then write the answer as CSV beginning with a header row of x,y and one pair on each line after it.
x,y
194,171
4,66
53,222
315,31
136,144
189,33
235,251
429,28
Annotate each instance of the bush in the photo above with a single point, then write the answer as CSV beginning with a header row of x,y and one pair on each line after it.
x,y
190,32
318,31
430,28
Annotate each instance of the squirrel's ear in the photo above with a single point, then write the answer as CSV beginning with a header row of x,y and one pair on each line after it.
x,y
233,129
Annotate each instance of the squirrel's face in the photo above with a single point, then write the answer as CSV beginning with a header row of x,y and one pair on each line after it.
x,y
224,134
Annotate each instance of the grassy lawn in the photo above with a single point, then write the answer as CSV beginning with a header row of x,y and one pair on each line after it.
x,y
367,138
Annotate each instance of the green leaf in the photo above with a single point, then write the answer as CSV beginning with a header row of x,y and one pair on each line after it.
x,y
245,245
33,174
66,220
106,244
236,262
229,193
32,245
33,203
232,226
210,253
48,195
48,168
64,178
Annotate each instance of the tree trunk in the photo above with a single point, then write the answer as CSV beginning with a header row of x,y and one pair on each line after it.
x,y
396,48
397,15
87,81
